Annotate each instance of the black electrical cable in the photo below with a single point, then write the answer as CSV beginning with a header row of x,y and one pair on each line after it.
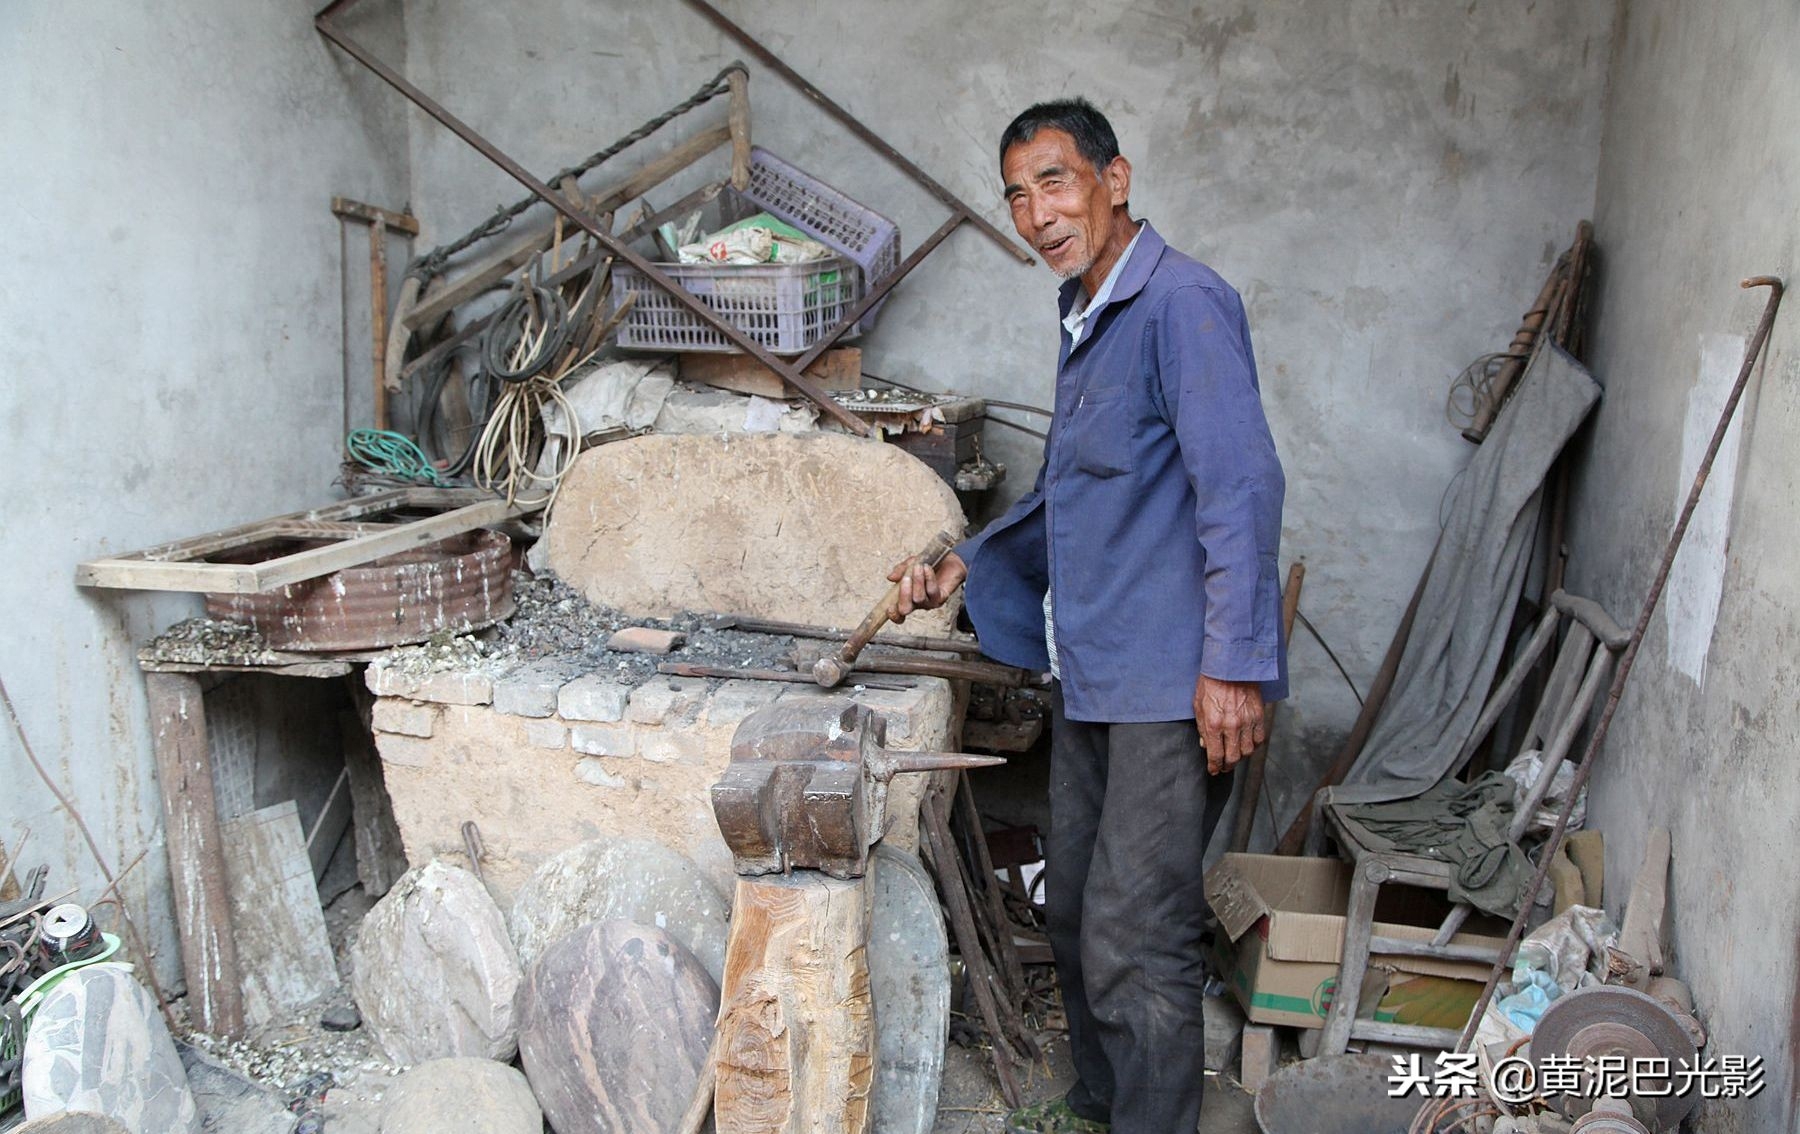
x,y
546,306
1329,652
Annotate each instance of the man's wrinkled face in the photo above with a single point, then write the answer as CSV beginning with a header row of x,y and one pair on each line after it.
x,y
1061,205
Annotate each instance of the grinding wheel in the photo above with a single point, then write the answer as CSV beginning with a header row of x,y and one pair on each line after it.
x,y
1610,1020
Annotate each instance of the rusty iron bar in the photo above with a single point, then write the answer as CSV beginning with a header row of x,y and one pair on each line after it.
x,y
850,121
1620,675
831,634
750,673
791,375
877,291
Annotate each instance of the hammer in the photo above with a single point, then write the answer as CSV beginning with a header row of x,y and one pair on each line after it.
x,y
829,671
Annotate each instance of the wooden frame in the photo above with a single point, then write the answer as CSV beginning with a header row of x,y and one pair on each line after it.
x,y
354,527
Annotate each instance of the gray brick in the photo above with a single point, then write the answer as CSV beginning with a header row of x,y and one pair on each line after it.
x,y
604,739
453,688
409,751
735,700
660,699
404,717
529,692
593,698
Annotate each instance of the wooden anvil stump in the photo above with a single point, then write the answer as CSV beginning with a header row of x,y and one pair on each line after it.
x,y
801,804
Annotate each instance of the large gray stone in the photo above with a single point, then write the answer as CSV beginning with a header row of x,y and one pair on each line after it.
x,y
772,525
433,970
614,1023
461,1096
230,1103
72,1122
909,979
97,1043
637,880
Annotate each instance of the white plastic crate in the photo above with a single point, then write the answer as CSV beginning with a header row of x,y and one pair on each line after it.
x,y
784,308
828,215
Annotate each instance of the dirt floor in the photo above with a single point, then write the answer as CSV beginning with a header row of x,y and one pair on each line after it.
x,y
969,1101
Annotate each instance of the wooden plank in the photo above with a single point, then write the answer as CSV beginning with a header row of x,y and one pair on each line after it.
x,y
478,278
941,855
196,856
140,572
380,854
378,330
355,508
796,1039
738,119
370,214
660,170
281,669
486,273
284,953
1358,926
838,369
400,333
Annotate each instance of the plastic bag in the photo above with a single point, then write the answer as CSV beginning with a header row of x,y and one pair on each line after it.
x,y
1525,772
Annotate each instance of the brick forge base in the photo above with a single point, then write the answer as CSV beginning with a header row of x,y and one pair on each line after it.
x,y
541,761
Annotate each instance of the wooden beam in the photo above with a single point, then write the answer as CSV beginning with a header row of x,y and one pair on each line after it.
x,y
175,566
371,214
738,118
196,853
796,1040
660,170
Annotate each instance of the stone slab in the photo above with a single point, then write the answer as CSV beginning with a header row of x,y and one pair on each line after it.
x,y
637,880
461,1096
284,951
801,528
433,970
615,1019
90,1027
909,979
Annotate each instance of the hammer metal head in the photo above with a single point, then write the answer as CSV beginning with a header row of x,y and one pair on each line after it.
x,y
830,672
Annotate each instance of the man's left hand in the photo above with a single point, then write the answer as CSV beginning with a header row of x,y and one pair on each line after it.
x,y
1231,720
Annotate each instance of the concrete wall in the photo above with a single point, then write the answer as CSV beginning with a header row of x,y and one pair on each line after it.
x,y
1386,182
1696,192
170,329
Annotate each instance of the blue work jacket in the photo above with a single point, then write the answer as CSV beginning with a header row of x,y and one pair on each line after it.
x,y
1157,512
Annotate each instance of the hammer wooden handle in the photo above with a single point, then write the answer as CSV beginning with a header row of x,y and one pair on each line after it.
x,y
829,671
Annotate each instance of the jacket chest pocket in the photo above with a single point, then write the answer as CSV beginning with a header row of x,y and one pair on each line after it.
x,y
1102,429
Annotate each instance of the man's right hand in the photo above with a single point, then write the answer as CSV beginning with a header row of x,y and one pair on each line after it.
x,y
922,588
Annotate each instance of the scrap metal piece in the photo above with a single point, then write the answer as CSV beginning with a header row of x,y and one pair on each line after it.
x,y
1611,1020
807,786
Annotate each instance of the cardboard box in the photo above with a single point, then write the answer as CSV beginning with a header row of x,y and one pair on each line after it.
x,y
1285,924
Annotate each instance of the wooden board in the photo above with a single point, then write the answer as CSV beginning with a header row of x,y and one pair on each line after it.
x,y
284,953
837,369
196,857
181,566
796,1023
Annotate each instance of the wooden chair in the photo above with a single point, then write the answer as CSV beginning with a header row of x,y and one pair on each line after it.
x,y
1583,665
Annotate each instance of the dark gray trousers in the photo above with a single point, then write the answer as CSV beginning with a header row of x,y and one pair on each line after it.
x,y
1131,811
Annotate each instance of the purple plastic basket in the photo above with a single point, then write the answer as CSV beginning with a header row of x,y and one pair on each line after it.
x,y
784,308
830,216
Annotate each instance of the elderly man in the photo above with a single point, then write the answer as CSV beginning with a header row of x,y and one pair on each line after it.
x,y
1141,570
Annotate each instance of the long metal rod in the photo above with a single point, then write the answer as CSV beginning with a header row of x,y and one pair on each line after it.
x,y
792,375
774,63
876,292
1591,756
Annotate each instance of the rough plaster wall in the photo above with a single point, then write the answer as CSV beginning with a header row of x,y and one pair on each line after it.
x,y
170,329
1386,181
1697,191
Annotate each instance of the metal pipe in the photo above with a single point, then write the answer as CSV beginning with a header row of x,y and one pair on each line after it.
x,y
774,63
1591,756
792,375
